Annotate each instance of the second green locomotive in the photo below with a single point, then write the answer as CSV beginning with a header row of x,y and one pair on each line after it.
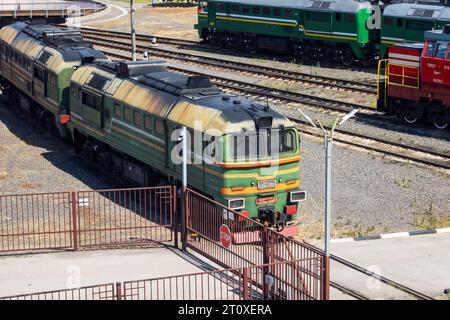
x,y
125,117
342,31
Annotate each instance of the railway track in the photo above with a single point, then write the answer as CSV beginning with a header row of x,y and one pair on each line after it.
x,y
402,151
97,36
413,293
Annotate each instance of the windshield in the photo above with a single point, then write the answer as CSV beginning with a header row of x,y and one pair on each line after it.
x,y
270,143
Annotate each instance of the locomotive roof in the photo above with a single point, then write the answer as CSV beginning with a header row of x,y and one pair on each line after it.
x,y
197,100
64,47
334,5
438,35
417,11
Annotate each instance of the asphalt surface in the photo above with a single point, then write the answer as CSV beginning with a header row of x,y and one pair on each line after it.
x,y
421,263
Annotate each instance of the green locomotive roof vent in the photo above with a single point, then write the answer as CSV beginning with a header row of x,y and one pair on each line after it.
x,y
138,68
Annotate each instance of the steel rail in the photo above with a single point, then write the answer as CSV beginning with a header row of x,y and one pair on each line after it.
x,y
348,291
274,73
382,279
268,92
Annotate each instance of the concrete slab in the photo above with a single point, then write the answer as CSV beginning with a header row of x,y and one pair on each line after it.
x,y
54,271
420,262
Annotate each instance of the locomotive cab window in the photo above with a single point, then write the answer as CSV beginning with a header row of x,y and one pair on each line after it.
x,y
128,114
118,112
138,118
399,23
235,8
39,74
91,101
288,13
159,127
441,50
148,123
430,49
349,17
256,10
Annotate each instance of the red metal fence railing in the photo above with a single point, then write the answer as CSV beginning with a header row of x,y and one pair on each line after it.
x,y
251,244
205,217
86,219
36,222
98,292
131,216
248,283
126,217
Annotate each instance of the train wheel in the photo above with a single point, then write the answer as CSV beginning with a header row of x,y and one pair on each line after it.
x,y
441,124
410,119
347,57
299,54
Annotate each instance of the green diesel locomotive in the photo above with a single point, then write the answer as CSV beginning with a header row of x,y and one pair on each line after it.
x,y
125,116
340,31
320,30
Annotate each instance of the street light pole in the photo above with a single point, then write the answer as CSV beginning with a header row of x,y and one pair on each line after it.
x,y
328,141
133,30
184,189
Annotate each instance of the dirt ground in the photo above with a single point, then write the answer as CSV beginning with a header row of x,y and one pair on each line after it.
x,y
164,22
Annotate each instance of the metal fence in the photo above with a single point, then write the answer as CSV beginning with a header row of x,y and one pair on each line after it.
x,y
249,283
251,244
36,222
97,292
86,219
281,282
259,260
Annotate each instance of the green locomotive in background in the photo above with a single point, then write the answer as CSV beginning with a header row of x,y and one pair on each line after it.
x,y
124,115
341,31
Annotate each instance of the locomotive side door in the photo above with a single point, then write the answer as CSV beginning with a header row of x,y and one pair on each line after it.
x,y
92,108
39,81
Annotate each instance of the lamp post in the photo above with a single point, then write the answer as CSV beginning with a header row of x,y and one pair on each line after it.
x,y
133,30
328,141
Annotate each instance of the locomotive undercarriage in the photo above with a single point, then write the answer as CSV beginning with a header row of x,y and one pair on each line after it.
x,y
302,51
41,118
430,112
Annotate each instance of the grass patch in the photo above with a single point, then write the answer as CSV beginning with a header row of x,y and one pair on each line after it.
x,y
404,183
431,218
312,228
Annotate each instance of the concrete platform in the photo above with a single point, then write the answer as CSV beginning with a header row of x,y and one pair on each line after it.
x,y
54,271
420,262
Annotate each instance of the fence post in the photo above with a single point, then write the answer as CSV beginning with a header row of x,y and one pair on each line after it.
x,y
245,283
74,220
266,261
119,291
184,217
175,216
325,278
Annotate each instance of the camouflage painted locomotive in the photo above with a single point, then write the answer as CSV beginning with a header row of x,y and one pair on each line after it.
x,y
340,31
124,116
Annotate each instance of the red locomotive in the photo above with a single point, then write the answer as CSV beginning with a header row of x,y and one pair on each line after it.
x,y
414,82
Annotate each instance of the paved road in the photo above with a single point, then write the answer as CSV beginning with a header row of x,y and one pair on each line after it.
x,y
418,262
54,271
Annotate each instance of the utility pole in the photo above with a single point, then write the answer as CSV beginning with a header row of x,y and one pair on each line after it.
x,y
184,189
328,141
133,30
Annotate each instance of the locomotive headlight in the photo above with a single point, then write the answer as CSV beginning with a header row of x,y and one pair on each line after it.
x,y
297,196
236,203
